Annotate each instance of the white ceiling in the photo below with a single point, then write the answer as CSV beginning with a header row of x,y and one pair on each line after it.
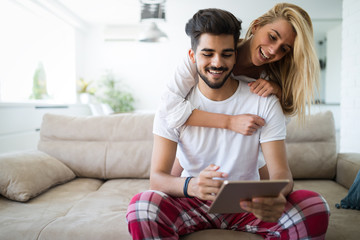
x,y
324,13
105,11
128,11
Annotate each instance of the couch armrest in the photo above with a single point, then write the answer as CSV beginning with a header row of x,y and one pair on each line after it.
x,y
348,165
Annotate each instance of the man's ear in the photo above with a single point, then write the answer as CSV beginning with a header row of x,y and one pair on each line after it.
x,y
192,55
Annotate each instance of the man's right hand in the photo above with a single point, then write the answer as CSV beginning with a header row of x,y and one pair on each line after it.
x,y
266,209
245,124
204,186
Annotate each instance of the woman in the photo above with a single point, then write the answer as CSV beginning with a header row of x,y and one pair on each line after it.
x,y
292,74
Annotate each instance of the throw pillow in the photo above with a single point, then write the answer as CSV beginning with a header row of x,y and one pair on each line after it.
x,y
352,200
24,175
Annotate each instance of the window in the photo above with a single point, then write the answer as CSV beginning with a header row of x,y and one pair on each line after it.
x,y
33,37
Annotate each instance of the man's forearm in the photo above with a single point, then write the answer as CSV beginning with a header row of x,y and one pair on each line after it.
x,y
168,184
284,175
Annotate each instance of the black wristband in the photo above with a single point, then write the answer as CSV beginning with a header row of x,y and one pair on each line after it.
x,y
186,187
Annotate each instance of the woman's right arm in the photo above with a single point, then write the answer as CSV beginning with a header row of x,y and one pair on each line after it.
x,y
177,111
174,108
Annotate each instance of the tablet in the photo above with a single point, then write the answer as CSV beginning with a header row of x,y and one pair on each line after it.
x,y
231,192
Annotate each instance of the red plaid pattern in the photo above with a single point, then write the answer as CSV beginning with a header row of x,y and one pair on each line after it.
x,y
156,215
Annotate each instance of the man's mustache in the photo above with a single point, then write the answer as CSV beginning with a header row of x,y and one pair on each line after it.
x,y
217,69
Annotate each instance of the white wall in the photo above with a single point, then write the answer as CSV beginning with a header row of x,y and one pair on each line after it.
x,y
333,65
350,84
145,67
321,53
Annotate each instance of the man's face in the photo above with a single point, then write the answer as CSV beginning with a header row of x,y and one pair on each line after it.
x,y
214,58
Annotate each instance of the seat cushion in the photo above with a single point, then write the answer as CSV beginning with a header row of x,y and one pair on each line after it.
x,y
28,220
352,199
217,234
344,223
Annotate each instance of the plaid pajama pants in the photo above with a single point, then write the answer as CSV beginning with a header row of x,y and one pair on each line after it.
x,y
156,215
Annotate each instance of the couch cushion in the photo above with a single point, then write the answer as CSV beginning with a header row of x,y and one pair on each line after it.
x,y
311,147
28,220
352,200
348,165
343,223
217,234
25,175
115,146
99,215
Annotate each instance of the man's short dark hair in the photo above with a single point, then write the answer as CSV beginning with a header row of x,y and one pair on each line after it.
x,y
214,21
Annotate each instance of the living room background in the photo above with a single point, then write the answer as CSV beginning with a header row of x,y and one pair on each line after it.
x,y
144,68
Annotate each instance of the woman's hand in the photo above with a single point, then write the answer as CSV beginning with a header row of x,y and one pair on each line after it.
x,y
266,209
245,124
264,88
204,186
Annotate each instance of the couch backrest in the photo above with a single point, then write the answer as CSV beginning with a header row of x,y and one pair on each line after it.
x,y
120,146
116,146
311,148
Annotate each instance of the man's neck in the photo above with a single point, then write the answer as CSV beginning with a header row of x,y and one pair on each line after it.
x,y
220,94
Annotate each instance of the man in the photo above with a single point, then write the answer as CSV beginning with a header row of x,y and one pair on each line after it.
x,y
178,205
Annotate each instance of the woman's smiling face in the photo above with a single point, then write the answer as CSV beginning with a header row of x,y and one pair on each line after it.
x,y
271,42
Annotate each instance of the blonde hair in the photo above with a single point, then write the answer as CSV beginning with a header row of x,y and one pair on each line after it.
x,y
297,72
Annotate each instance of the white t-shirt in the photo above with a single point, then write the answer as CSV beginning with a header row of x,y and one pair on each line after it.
x,y
236,154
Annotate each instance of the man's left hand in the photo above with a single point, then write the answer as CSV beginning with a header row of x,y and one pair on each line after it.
x,y
266,209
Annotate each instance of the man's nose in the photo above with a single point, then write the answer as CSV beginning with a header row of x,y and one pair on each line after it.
x,y
216,61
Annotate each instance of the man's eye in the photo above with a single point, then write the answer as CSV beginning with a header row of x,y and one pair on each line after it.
x,y
227,55
207,54
272,37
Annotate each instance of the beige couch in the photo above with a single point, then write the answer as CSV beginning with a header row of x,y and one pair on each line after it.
x,y
78,184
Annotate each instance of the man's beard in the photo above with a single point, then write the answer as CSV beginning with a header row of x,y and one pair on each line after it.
x,y
218,84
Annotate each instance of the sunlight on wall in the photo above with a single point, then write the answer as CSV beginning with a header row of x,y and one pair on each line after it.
x,y
29,38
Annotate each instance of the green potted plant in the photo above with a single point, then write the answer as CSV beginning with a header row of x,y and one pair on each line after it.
x,y
39,90
84,90
112,93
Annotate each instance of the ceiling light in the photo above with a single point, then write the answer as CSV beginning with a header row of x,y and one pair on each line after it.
x,y
152,11
152,34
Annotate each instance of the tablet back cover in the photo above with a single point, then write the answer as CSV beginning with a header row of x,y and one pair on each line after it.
x,y
231,192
